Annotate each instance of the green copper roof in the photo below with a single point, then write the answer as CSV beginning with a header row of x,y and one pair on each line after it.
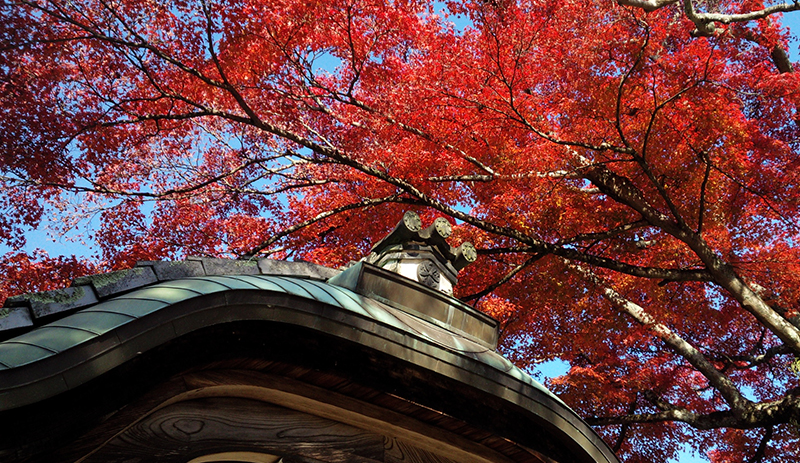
x,y
100,319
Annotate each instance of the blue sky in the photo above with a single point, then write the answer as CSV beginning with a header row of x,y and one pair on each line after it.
x,y
792,21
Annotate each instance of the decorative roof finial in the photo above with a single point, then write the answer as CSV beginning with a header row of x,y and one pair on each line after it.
x,y
423,255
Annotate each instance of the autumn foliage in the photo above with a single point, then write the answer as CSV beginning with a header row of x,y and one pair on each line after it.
x,y
628,172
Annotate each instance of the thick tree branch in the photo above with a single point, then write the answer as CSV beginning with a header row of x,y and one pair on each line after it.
x,y
781,59
778,54
647,5
743,413
625,192
704,22
761,415
708,421
722,383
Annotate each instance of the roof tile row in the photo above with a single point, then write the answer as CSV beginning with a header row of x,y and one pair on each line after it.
x,y
25,312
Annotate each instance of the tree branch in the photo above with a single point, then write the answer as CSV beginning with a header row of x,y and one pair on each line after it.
x,y
647,5
761,415
762,446
704,22
657,273
751,361
722,383
505,279
324,215
623,431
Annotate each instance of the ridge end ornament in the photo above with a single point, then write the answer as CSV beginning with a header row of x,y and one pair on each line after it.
x,y
423,254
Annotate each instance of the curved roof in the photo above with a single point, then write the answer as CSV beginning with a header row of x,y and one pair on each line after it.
x,y
67,352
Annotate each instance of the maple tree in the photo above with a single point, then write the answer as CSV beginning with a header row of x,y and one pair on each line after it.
x,y
628,172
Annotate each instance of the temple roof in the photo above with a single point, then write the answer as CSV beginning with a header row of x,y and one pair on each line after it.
x,y
70,337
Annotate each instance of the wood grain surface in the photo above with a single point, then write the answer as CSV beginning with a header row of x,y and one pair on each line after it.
x,y
190,429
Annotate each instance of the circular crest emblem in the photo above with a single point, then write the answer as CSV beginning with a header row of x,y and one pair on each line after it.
x,y
428,274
